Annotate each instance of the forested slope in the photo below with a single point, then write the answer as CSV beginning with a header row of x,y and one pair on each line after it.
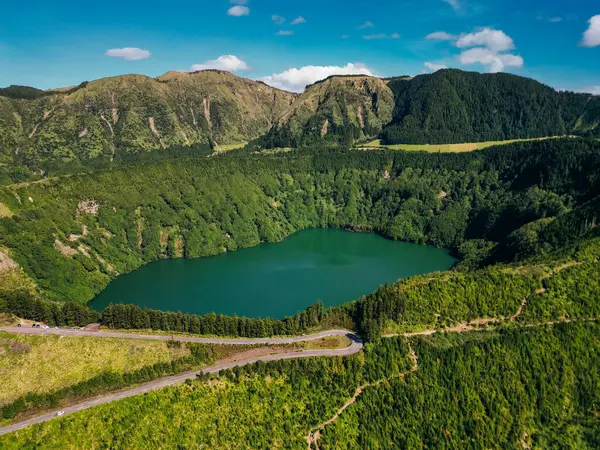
x,y
335,111
452,106
73,235
520,388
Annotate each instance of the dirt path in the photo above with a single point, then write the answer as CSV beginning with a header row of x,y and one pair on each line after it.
x,y
355,346
314,434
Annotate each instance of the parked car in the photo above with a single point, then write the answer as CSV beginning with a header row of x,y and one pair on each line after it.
x,y
19,325
59,413
45,327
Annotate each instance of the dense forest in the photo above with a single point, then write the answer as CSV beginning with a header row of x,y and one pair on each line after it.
x,y
520,388
534,387
72,236
452,106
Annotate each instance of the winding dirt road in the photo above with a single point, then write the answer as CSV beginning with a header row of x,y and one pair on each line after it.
x,y
355,346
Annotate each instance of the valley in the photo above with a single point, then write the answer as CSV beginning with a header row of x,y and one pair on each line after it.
x,y
444,148
250,279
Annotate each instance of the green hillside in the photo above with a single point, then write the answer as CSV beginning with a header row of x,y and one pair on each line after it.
x,y
446,107
73,235
452,106
131,118
105,120
337,110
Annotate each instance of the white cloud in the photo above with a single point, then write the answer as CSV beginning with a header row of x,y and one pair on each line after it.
x,y
494,40
366,25
279,20
375,36
554,19
594,90
297,79
440,36
433,67
238,11
298,20
492,61
345,36
230,63
487,46
369,37
284,33
454,3
591,37
128,53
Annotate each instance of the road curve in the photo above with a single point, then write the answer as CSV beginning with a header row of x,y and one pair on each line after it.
x,y
355,346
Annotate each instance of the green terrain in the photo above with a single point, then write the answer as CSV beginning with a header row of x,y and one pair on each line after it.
x,y
499,352
115,118
132,118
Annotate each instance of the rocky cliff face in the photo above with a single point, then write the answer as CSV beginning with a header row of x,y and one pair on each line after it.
x,y
336,109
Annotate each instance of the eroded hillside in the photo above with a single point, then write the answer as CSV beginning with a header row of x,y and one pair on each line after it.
x,y
338,109
133,112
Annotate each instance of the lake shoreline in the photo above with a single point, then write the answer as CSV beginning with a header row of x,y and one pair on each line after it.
x,y
277,280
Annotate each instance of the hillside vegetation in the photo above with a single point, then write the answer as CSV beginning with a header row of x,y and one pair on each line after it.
x,y
512,388
452,106
522,388
335,111
73,235
446,107
131,118
114,118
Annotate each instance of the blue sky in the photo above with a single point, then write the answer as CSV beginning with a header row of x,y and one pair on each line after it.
x,y
63,42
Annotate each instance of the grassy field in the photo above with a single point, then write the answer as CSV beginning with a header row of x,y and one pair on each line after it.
x,y
445,148
41,364
328,342
227,147
4,211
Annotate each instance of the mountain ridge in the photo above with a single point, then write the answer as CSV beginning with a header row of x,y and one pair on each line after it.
x,y
117,118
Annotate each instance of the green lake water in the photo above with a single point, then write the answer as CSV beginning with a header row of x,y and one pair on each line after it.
x,y
278,279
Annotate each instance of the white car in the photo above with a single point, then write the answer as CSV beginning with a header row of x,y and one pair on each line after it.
x,y
59,413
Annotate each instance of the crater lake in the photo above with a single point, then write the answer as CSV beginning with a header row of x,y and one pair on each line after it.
x,y
276,279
